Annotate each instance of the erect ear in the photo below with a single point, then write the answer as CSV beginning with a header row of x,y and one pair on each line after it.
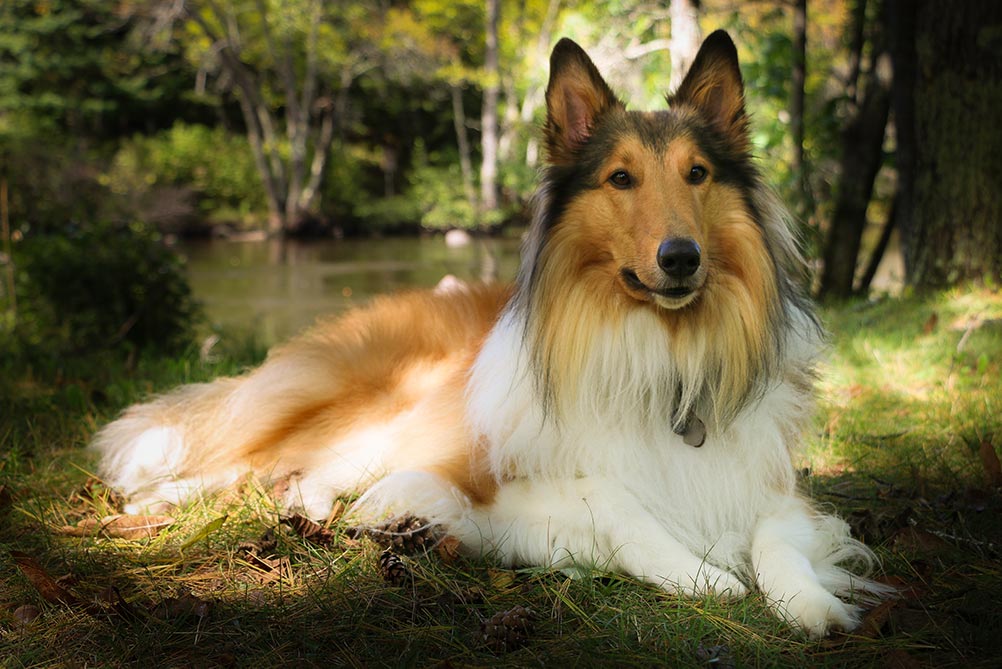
x,y
576,98
713,86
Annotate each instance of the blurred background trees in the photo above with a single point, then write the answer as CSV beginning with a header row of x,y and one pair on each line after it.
x,y
874,118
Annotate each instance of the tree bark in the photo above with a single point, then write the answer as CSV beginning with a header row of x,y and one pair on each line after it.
x,y
489,116
955,232
798,77
685,38
862,156
463,143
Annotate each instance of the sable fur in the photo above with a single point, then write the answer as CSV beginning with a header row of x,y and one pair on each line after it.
x,y
539,422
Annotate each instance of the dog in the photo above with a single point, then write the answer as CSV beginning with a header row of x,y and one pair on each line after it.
x,y
633,402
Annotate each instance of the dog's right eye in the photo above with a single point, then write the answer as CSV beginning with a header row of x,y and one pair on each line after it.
x,y
621,179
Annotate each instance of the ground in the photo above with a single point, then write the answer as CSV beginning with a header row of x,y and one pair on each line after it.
x,y
906,448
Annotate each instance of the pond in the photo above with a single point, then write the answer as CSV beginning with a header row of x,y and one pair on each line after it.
x,y
276,288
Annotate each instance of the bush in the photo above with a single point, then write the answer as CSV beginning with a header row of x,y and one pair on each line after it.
x,y
97,287
211,166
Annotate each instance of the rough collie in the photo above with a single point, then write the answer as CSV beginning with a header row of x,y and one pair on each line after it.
x,y
632,403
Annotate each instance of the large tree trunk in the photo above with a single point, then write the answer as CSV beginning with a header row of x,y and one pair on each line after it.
x,y
685,38
955,232
862,156
489,116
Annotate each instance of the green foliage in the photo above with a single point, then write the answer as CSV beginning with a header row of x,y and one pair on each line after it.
x,y
434,198
101,286
215,164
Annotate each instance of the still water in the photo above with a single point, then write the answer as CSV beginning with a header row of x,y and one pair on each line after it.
x,y
276,288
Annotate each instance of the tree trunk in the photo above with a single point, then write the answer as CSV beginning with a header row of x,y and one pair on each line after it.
x,y
797,79
489,116
862,156
685,38
956,227
463,142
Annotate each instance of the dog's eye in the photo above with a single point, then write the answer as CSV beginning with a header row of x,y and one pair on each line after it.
x,y
621,179
697,174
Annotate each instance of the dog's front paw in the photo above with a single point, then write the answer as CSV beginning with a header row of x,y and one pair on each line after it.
x,y
817,612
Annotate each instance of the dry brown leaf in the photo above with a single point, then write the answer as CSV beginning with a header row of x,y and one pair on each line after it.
x,y
46,586
875,619
183,606
120,526
911,538
990,461
25,613
448,549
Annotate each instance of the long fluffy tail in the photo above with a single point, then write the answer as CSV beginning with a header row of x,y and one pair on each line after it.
x,y
205,436
376,391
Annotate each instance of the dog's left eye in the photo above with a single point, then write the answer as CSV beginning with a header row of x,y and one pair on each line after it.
x,y
697,174
621,179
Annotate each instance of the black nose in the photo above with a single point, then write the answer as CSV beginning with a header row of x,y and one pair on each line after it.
x,y
679,257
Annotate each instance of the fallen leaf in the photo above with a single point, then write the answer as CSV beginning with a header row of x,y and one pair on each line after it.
x,y
25,613
990,461
911,538
875,619
184,606
448,549
46,586
120,526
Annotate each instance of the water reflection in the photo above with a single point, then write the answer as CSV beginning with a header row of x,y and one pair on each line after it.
x,y
276,288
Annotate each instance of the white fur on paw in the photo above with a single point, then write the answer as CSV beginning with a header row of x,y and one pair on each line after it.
x,y
708,580
817,612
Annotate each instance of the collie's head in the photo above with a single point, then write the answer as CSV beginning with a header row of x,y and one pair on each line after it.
x,y
653,230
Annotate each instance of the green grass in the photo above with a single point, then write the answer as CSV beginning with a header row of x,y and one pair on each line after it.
x,y
904,409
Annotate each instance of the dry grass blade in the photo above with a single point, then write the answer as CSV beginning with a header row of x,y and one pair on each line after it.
x,y
120,526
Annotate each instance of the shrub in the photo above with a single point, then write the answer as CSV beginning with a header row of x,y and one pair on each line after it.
x,y
215,166
102,286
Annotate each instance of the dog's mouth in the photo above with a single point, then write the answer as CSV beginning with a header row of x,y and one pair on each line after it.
x,y
668,296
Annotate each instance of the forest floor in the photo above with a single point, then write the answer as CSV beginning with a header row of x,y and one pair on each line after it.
x,y
906,448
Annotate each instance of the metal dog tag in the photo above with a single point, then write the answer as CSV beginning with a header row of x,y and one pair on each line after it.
x,y
695,432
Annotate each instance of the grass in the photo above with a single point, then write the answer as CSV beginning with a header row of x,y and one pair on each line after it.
x,y
907,400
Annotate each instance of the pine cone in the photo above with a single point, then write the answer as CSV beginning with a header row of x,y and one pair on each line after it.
x,y
308,529
393,569
507,630
405,535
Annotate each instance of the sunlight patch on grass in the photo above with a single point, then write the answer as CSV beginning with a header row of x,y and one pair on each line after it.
x,y
911,386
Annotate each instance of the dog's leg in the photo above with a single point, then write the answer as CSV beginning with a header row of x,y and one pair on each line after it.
x,y
783,546
590,523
